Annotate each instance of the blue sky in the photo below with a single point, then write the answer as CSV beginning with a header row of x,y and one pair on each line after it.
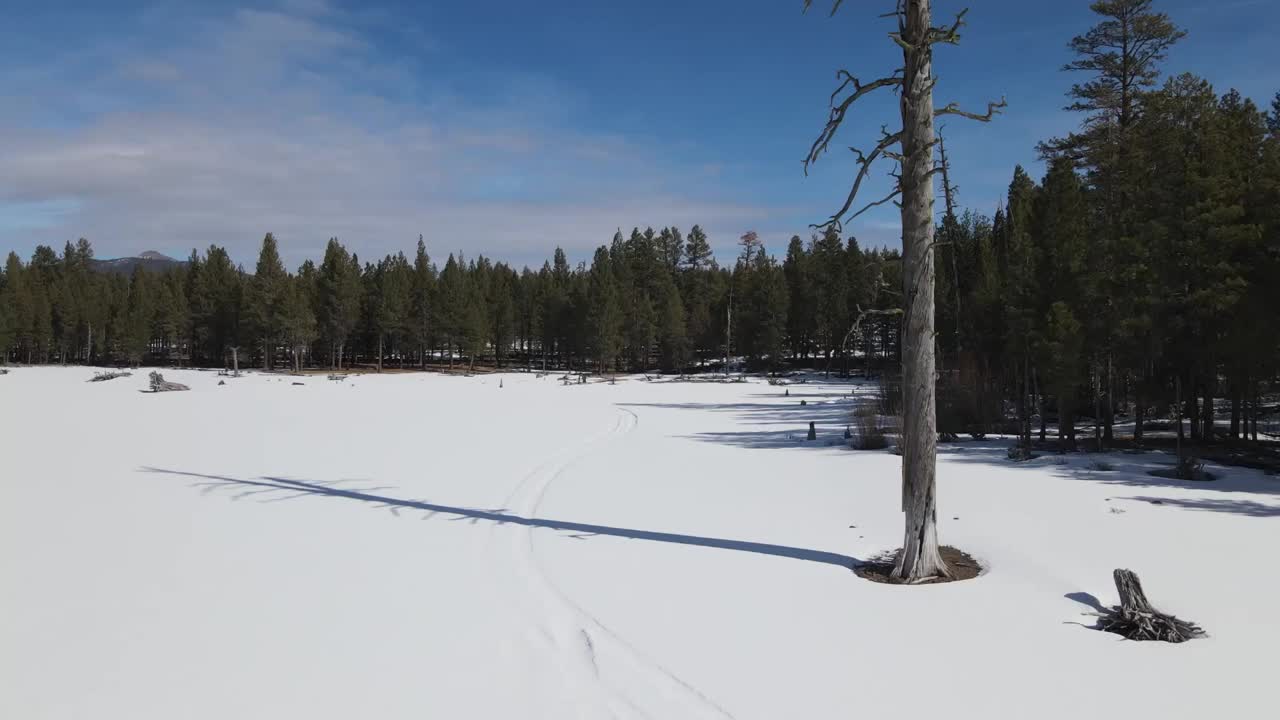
x,y
505,128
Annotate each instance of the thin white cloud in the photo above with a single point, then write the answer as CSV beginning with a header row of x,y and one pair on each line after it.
x,y
271,120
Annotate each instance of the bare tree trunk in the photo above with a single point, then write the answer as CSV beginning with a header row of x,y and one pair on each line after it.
x,y
1108,431
1097,408
1207,410
1024,412
949,194
1035,379
920,557
235,360
1235,411
1192,409
1253,411
379,352
1177,394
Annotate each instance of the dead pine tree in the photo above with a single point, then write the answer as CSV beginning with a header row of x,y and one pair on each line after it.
x,y
911,147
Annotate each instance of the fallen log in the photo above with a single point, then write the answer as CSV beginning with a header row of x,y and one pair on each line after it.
x,y
159,384
109,375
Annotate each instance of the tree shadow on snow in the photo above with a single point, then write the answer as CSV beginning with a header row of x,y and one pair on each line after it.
x,y
1238,507
284,488
1086,599
783,424
1126,469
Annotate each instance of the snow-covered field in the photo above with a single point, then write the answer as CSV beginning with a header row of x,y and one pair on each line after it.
x,y
419,546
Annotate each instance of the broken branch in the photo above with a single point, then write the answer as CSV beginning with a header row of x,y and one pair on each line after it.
x,y
865,161
836,118
993,108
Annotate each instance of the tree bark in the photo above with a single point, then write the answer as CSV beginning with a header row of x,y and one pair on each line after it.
x,y
1253,411
1044,421
1207,410
1192,409
1132,598
920,558
1139,416
1097,408
1108,430
1235,412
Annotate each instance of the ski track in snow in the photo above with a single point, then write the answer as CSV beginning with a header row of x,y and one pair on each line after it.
x,y
589,654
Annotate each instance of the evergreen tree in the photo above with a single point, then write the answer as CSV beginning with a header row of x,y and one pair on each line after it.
x,y
265,299
423,300
801,320
696,290
1064,341
9,277
451,305
604,316
672,335
769,301
338,299
299,328
475,321
137,331
831,292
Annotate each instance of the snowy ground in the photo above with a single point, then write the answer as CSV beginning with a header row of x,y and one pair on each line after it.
x,y
410,546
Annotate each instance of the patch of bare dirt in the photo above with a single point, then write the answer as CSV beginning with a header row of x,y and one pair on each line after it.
x,y
880,568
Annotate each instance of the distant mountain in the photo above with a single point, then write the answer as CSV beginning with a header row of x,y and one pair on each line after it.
x,y
149,260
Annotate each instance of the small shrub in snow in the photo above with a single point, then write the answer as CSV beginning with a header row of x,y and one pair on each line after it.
x,y
889,396
870,435
1187,468
1020,453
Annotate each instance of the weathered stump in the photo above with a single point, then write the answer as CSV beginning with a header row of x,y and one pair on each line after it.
x,y
813,433
159,384
1136,619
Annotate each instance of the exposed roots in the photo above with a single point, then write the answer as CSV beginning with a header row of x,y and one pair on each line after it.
x,y
880,568
1140,625
1136,619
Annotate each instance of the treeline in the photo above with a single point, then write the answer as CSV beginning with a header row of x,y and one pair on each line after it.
x,y
653,300
1141,275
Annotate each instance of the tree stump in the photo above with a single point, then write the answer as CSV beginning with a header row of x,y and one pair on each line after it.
x,y
159,384
813,433
1136,619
